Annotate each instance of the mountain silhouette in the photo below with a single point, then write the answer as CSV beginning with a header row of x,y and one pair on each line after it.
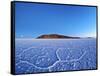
x,y
55,36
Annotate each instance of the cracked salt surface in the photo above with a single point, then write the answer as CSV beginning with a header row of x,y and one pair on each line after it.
x,y
34,56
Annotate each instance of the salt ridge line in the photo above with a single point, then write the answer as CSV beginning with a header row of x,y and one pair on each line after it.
x,y
73,60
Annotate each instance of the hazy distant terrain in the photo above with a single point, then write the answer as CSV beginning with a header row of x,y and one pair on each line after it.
x,y
38,55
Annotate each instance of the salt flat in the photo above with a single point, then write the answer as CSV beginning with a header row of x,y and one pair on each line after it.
x,y
52,55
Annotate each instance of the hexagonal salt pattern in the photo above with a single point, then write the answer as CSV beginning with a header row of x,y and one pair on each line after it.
x,y
45,55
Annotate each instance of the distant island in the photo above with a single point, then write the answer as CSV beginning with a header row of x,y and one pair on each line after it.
x,y
56,36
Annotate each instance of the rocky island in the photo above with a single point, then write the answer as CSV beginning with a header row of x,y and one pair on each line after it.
x,y
55,36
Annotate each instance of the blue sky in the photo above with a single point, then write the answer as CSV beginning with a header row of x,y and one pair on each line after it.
x,y
33,20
